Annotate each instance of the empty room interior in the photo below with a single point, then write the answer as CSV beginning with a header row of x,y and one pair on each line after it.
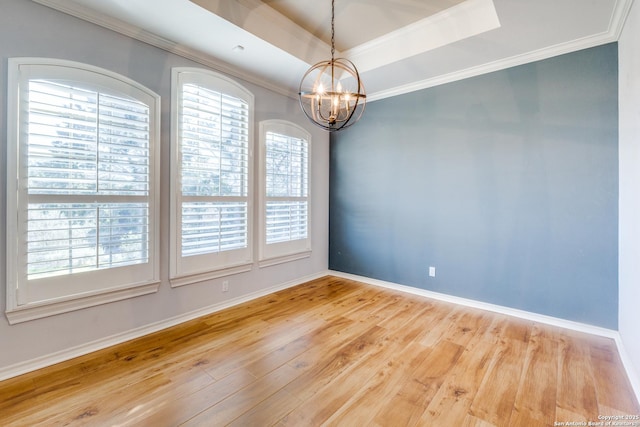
x,y
320,212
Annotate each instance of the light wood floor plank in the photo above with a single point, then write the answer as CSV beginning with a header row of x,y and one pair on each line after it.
x,y
330,398
327,365
536,400
333,352
176,409
406,355
576,393
496,396
453,400
361,407
238,403
413,396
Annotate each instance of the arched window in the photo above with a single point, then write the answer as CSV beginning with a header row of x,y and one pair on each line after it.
x,y
83,157
285,150
211,176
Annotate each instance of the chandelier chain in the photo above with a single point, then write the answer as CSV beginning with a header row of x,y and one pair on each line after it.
x,y
333,40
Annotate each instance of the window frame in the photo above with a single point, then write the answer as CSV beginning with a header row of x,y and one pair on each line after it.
x,y
37,298
290,250
198,268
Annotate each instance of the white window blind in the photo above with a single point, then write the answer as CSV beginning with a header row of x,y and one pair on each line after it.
x,y
213,227
88,180
215,152
285,167
84,184
287,160
212,214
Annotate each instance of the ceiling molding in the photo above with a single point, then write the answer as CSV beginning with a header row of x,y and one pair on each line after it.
x,y
467,19
616,25
619,17
89,15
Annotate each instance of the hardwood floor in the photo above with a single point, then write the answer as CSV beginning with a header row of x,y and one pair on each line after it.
x,y
333,352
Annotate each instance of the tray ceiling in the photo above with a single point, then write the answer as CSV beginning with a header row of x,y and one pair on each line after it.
x,y
397,45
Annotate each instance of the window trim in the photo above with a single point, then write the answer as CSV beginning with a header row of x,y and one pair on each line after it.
x,y
180,273
282,252
19,306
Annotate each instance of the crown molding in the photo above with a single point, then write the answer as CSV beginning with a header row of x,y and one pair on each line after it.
x,y
618,18
113,24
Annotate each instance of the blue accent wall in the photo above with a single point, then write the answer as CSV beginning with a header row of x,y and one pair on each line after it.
x,y
507,183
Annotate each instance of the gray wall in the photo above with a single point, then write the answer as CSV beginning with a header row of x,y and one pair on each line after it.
x,y
29,29
507,183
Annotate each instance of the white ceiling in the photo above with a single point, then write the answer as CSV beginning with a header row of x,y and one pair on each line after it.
x,y
397,45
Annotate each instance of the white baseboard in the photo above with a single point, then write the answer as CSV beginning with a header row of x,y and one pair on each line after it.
x,y
81,350
522,314
632,374
526,315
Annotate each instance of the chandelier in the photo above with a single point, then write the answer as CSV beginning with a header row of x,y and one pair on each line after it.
x,y
331,93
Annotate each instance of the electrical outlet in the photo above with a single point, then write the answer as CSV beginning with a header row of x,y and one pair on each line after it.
x,y
225,286
432,272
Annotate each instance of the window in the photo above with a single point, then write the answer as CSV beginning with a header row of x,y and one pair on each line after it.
x,y
211,177
284,192
83,183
